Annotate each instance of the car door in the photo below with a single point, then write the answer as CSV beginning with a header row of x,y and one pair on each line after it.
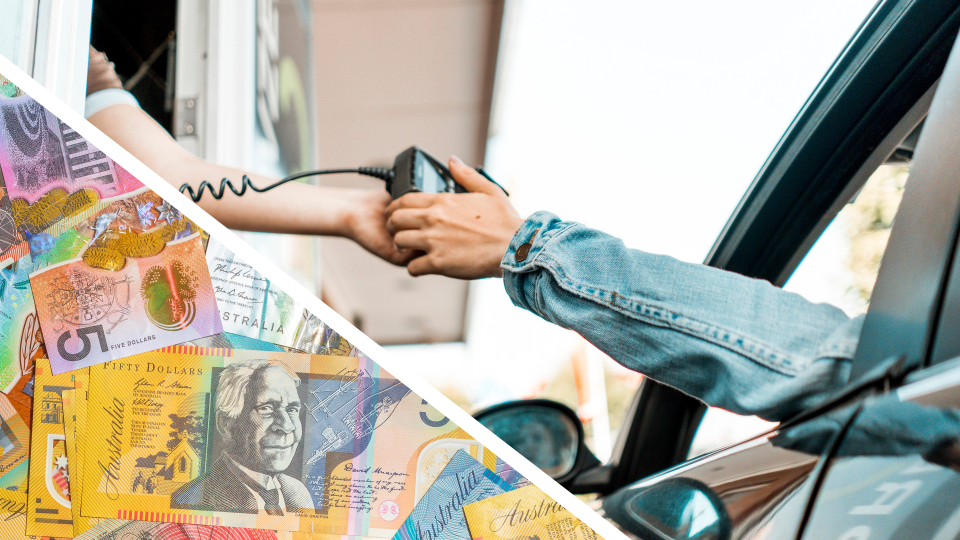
x,y
896,472
757,489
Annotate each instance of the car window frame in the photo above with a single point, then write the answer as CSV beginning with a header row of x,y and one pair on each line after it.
x,y
804,185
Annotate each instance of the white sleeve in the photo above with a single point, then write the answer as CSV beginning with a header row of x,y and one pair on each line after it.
x,y
102,99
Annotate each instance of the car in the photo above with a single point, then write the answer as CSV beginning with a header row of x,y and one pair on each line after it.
x,y
880,459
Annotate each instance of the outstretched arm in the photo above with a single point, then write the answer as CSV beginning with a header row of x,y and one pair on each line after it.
x,y
295,208
731,341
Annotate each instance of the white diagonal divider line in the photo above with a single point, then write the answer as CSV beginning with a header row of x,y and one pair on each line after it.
x,y
309,300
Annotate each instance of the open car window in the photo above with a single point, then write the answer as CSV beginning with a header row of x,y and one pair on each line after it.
x,y
840,269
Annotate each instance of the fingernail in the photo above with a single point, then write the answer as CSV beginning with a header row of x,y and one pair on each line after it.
x,y
455,160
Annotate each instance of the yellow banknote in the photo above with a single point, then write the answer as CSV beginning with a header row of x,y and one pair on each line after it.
x,y
269,440
48,511
525,513
13,516
74,423
15,448
150,530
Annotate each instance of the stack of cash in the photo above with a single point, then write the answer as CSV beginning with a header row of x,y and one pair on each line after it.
x,y
155,386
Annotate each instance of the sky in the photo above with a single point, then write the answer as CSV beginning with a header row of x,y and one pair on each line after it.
x,y
646,120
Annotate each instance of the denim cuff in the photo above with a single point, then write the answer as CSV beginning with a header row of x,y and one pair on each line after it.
x,y
521,258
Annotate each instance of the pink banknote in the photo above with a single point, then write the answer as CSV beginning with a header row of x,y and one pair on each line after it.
x,y
39,152
89,316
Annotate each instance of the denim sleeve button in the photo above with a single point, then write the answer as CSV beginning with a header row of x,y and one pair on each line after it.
x,y
522,252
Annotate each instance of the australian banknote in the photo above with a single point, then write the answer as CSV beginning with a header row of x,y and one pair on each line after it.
x,y
510,475
439,514
526,512
15,448
314,336
433,461
21,342
49,510
12,245
249,304
89,315
75,406
20,337
74,425
136,224
40,153
12,242
48,173
252,307
149,530
13,515
183,435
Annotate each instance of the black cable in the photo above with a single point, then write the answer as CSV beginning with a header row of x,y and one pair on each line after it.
x,y
376,172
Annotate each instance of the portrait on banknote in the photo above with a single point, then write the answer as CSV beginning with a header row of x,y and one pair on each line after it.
x,y
258,418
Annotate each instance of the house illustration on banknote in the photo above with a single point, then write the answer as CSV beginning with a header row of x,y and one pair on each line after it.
x,y
181,463
51,406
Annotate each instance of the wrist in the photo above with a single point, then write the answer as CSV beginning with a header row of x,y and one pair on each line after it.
x,y
358,212
346,215
337,210
510,229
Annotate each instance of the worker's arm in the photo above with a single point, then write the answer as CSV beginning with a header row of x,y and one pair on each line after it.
x,y
296,208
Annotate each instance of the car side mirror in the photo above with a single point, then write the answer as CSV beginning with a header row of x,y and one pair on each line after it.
x,y
547,433
675,509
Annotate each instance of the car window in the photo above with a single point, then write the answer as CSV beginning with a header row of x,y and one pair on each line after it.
x,y
842,266
840,269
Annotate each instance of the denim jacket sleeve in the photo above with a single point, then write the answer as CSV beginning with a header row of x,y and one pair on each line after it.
x,y
733,342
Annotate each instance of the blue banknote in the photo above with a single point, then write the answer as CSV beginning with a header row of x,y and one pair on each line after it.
x,y
439,514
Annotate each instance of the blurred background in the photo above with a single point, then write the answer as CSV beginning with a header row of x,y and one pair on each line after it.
x,y
644,119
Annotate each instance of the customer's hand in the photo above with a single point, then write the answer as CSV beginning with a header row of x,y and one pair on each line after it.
x,y
457,235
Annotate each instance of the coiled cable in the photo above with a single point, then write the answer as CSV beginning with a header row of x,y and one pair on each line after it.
x,y
381,173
